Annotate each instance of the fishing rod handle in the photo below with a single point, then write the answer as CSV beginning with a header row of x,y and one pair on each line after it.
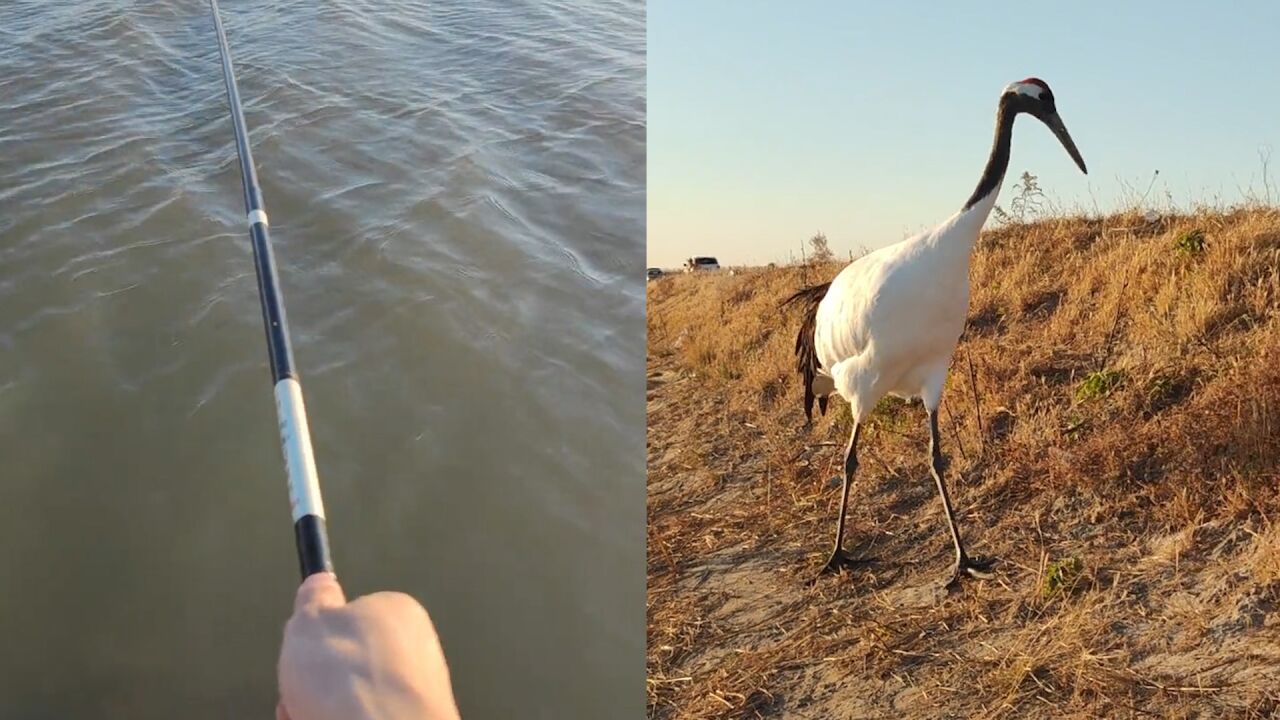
x,y
304,484
313,545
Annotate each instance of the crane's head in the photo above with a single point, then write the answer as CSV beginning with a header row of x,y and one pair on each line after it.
x,y
1033,96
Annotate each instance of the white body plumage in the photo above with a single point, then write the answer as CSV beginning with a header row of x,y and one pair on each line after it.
x,y
891,320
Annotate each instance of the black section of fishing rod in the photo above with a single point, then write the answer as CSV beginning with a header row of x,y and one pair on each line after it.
x,y
295,437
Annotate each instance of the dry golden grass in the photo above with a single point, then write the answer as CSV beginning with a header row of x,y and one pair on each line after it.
x,y
1112,423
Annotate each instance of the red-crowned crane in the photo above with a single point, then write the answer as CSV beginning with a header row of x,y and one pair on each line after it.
x,y
889,322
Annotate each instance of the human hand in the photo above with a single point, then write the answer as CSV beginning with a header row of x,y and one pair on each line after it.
x,y
375,658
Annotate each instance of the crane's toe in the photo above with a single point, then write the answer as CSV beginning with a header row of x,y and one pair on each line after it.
x,y
975,568
839,559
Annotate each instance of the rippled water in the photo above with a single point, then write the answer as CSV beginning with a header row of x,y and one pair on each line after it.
x,y
456,192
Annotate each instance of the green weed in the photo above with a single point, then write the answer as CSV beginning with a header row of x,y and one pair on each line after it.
x,y
1190,243
1098,384
1061,576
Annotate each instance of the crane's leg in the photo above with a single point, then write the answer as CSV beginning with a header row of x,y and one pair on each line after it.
x,y
838,556
964,564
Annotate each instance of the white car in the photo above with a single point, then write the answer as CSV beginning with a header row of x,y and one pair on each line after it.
x,y
701,263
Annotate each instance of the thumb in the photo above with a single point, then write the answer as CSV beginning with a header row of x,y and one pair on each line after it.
x,y
281,712
319,591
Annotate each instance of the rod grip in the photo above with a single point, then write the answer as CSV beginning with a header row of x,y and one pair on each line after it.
x,y
313,545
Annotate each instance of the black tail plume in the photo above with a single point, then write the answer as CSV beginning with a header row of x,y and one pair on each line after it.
x,y
806,353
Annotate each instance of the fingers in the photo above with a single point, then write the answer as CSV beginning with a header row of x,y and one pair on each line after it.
x,y
318,592
401,610
399,605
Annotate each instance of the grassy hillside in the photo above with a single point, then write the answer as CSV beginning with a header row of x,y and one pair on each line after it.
x,y
1112,426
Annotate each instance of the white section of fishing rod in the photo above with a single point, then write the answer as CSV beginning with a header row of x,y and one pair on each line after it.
x,y
299,461
258,216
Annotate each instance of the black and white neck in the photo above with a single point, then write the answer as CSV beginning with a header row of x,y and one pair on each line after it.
x,y
1025,96
997,163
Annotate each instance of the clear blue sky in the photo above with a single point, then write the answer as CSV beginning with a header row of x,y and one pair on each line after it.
x,y
869,121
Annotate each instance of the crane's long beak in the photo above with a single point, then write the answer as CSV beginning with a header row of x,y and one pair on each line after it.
x,y
1054,121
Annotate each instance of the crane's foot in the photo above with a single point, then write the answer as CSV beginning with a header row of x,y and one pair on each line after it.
x,y
839,559
970,567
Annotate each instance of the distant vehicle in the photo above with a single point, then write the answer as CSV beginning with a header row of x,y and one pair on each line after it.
x,y
701,263
653,273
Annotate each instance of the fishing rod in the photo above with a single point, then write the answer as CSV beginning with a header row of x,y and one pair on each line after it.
x,y
295,437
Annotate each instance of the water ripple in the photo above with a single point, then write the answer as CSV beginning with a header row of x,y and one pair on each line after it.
x,y
456,192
